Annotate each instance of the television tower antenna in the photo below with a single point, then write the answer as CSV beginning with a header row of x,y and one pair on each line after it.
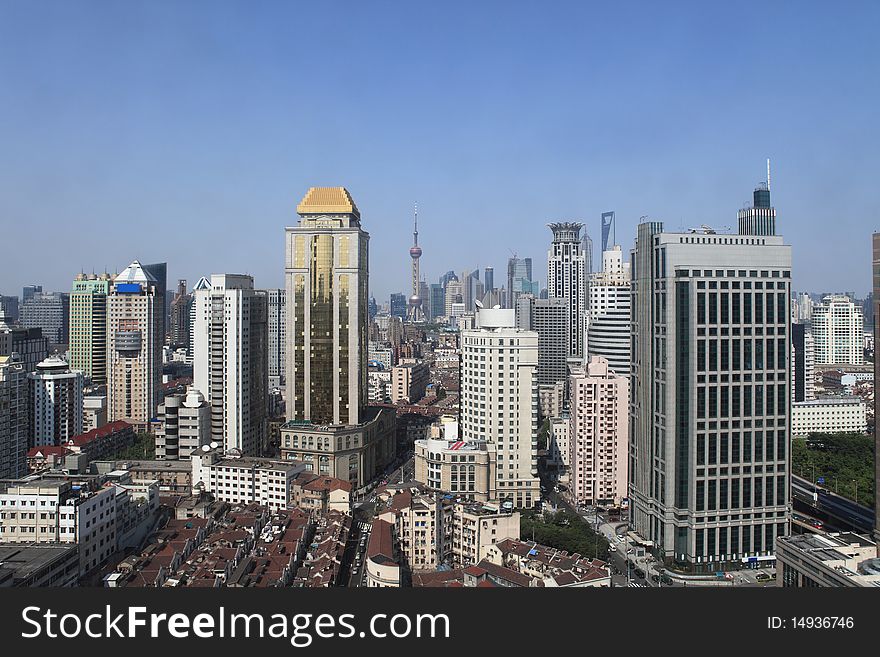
x,y
768,174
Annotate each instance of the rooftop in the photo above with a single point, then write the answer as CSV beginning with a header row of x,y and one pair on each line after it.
x,y
328,200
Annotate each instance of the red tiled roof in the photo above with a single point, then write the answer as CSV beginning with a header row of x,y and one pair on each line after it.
x,y
48,450
100,432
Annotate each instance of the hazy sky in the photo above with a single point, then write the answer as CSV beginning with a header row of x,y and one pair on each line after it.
x,y
188,131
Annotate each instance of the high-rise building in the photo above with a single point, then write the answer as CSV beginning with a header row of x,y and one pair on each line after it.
x,y
230,364
49,311
804,304
28,291
803,362
875,275
202,284
180,313
330,427
488,279
549,319
519,280
608,327
587,250
471,289
397,305
55,403
567,278
609,226
10,304
453,296
13,418
88,326
28,343
159,271
838,331
415,312
184,425
277,300
710,401
438,301
135,310
598,434
760,217
448,276
499,400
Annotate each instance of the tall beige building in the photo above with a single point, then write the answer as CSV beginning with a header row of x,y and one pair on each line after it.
x,y
598,433
327,320
135,316
329,426
499,400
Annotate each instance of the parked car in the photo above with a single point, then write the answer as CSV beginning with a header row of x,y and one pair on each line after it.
x,y
665,579
640,573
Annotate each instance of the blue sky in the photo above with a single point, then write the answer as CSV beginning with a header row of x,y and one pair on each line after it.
x,y
188,131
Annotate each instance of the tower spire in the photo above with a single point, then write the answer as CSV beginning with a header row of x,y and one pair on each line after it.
x,y
768,174
415,312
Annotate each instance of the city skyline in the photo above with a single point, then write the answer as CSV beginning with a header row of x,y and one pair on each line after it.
x,y
627,133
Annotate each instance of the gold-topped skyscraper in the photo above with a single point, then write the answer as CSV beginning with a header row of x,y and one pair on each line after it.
x,y
329,426
327,317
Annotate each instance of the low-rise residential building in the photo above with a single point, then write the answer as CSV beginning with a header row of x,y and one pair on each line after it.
x,y
829,415
244,480
382,561
39,565
317,495
826,560
433,529
554,568
103,442
456,466
56,511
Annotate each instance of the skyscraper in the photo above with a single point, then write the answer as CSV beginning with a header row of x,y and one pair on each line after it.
x,y
49,311
415,312
803,361
608,230
519,279
230,364
13,418
28,291
567,279
202,284
28,343
488,279
330,427
438,301
838,331
397,305
135,310
499,401
55,406
180,312
710,400
159,271
875,275
598,434
760,217
608,329
277,300
88,326
549,319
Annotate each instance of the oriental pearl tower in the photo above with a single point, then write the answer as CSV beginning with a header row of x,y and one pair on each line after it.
x,y
414,311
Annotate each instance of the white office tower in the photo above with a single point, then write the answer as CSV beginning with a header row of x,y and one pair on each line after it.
x,y
499,401
710,403
567,279
135,321
804,307
608,330
230,361
184,425
838,331
202,284
13,418
56,403
598,434
277,323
